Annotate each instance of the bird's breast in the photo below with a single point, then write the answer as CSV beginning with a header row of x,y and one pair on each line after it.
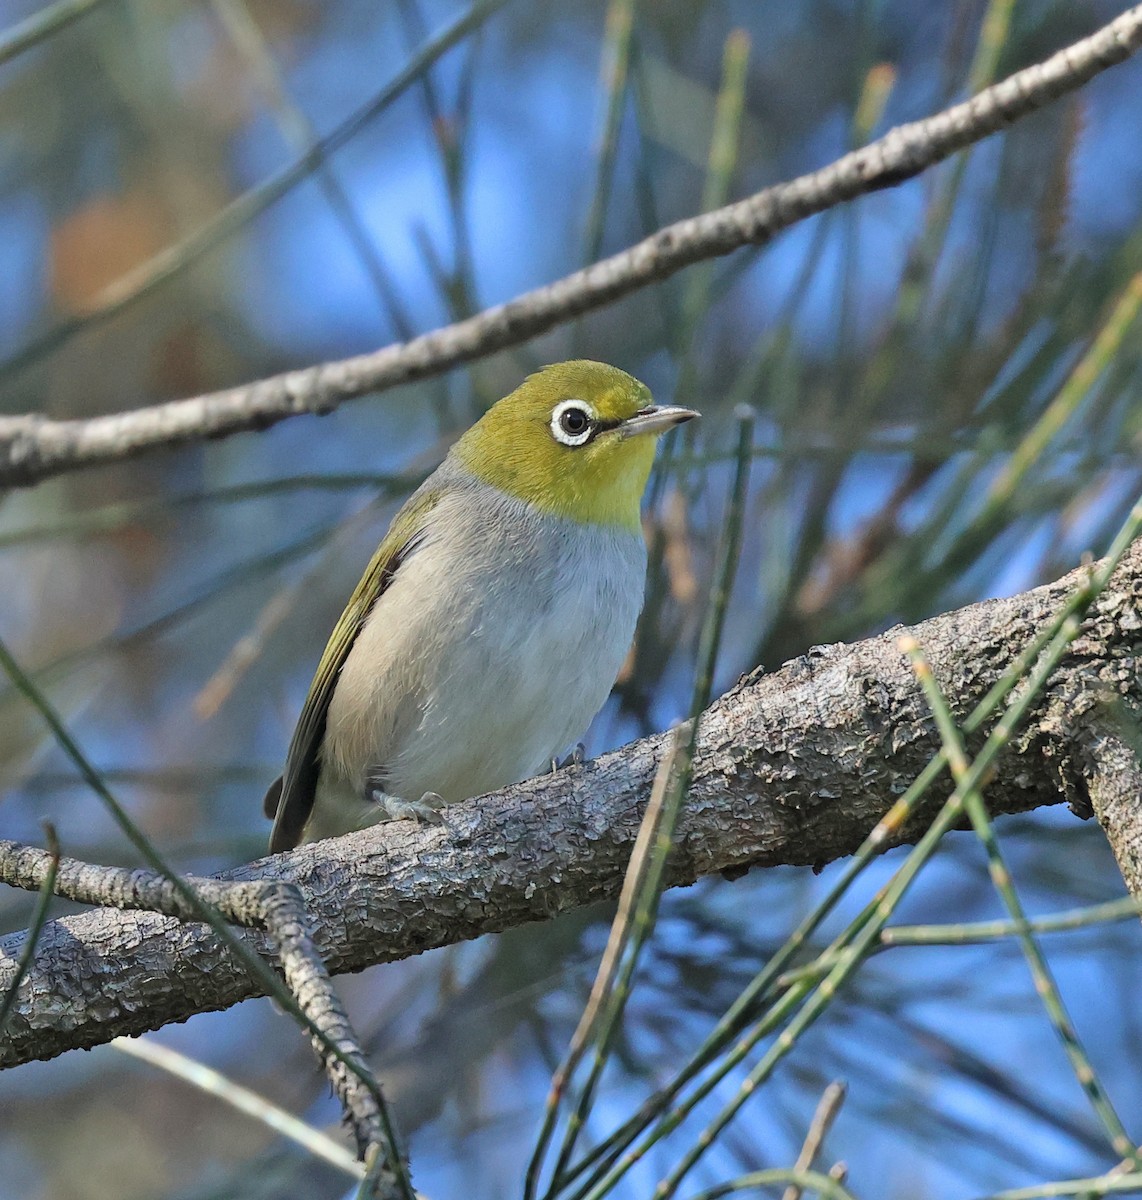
x,y
496,643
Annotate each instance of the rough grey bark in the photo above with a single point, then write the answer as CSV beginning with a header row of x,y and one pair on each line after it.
x,y
277,907
792,768
33,447
1116,794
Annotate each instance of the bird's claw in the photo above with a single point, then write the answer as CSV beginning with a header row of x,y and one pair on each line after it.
x,y
424,811
576,758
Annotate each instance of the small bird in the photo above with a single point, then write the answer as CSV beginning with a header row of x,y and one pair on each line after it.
x,y
494,617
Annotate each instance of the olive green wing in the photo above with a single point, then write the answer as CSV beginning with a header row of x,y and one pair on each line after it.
x,y
290,797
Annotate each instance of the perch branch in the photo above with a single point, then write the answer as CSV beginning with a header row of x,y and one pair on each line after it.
x,y
793,767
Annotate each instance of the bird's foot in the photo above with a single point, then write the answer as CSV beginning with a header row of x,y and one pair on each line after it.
x,y
576,758
424,811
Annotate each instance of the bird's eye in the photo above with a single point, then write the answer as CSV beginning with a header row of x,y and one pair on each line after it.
x,y
572,423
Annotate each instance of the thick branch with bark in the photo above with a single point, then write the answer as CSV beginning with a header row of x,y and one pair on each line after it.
x,y
792,768
33,447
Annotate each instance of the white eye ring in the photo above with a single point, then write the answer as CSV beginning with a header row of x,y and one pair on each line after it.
x,y
573,422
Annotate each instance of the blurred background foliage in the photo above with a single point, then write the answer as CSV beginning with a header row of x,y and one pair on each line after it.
x,y
947,379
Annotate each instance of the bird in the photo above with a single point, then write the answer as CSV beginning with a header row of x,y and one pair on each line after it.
x,y
492,621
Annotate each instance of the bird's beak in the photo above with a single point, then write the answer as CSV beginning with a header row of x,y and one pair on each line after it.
x,y
656,418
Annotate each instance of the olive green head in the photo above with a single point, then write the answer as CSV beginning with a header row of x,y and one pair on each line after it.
x,y
576,439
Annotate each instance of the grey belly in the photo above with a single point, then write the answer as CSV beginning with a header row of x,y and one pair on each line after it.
x,y
465,680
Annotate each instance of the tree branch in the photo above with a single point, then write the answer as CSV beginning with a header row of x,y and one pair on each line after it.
x,y
277,907
33,447
791,768
1115,788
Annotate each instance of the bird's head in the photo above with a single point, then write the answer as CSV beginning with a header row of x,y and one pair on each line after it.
x,y
576,439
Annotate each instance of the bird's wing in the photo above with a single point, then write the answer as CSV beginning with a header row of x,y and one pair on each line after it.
x,y
290,797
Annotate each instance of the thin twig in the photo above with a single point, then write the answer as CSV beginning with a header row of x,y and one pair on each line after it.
x,y
1045,986
108,518
249,647
615,67
246,1101
1079,382
825,1186
975,932
1096,1185
827,1109
41,25
33,447
303,139
143,279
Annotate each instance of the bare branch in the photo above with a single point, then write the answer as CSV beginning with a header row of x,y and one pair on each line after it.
x,y
275,906
43,24
33,447
827,1109
794,767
